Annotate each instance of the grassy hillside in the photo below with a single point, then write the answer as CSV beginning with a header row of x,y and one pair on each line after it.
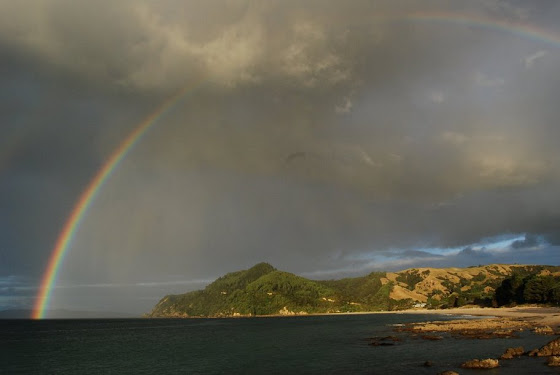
x,y
263,290
453,287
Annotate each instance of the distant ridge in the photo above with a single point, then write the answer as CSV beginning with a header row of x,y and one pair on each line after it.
x,y
264,290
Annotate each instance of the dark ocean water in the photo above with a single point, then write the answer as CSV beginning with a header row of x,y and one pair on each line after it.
x,y
293,345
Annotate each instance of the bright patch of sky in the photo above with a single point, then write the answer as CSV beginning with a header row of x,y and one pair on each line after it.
x,y
496,244
490,244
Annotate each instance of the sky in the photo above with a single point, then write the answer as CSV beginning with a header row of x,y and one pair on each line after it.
x,y
328,138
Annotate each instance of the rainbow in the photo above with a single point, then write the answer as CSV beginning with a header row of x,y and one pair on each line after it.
x,y
523,30
87,197
520,29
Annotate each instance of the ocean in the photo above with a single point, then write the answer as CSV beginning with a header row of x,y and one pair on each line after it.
x,y
335,344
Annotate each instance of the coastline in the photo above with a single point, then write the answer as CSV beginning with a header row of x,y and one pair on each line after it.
x,y
538,315
494,323
535,315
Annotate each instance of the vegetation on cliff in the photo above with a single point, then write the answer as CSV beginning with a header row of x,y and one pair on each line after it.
x,y
264,290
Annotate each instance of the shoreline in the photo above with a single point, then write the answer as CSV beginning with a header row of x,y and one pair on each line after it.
x,y
538,315
535,315
545,315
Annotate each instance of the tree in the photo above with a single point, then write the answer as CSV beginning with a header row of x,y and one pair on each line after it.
x,y
510,291
537,289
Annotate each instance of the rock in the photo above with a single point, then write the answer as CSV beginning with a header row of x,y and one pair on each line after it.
x,y
545,330
498,327
448,372
392,338
485,334
431,337
512,352
553,361
552,348
285,311
384,338
428,364
481,363
381,343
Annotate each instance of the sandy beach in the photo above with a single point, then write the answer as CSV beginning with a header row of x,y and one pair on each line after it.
x,y
534,315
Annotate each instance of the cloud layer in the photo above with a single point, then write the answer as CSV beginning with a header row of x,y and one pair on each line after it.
x,y
313,134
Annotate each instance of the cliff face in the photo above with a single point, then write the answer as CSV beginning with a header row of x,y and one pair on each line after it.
x,y
263,290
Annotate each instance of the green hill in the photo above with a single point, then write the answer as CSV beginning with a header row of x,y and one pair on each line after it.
x,y
263,290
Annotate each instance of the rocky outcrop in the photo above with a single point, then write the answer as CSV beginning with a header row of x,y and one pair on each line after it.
x,y
383,341
384,338
552,348
510,353
448,372
285,311
431,337
481,363
553,361
487,334
545,330
476,329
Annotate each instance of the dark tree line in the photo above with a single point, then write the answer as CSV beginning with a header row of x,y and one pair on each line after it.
x,y
520,289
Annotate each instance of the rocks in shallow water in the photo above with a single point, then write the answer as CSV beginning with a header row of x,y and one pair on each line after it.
x,y
545,330
512,352
431,337
383,341
486,334
472,329
377,343
552,348
428,364
448,372
553,361
481,363
384,338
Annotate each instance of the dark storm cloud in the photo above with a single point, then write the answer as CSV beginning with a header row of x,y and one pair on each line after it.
x,y
314,135
529,241
50,143
471,254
